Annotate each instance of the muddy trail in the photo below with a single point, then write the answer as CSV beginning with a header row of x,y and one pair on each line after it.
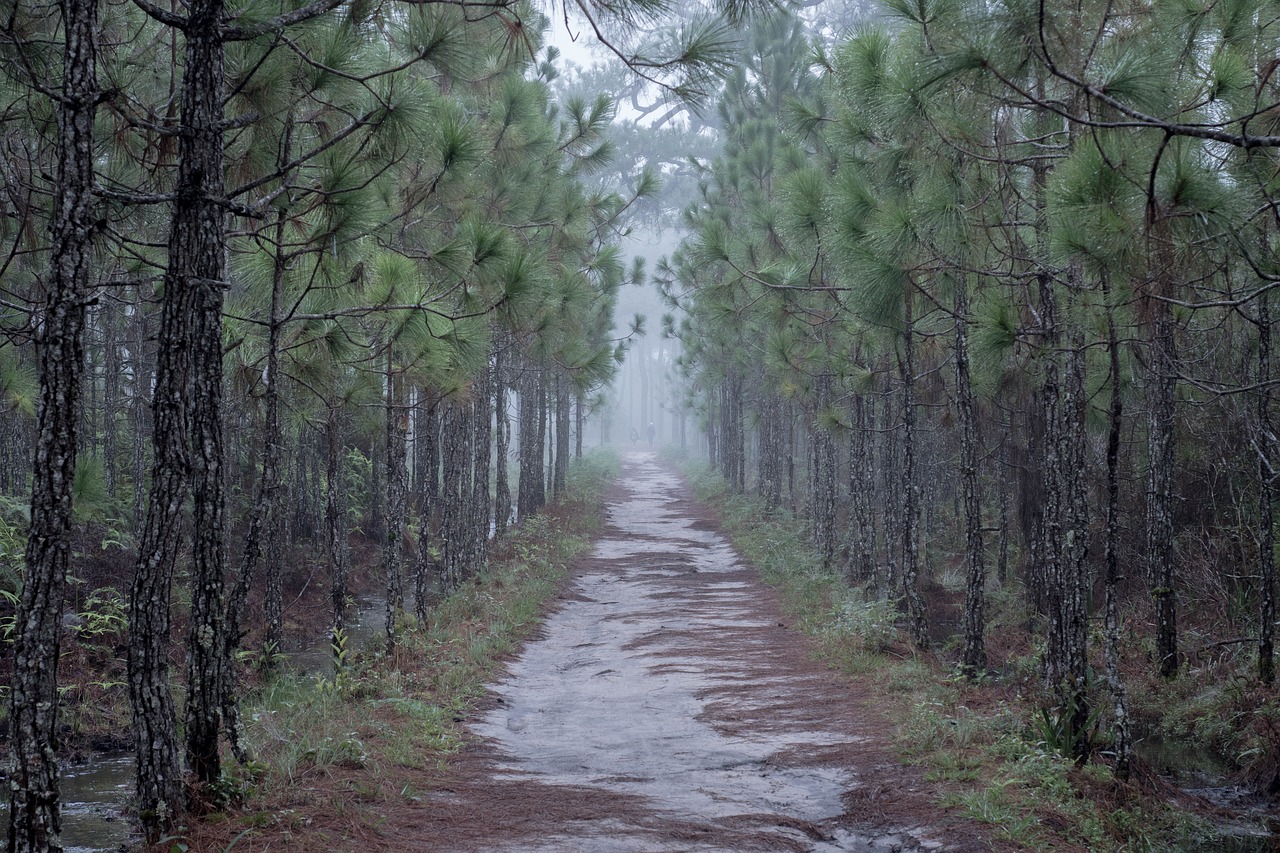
x,y
667,707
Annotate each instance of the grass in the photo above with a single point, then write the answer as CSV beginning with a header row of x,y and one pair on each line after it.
x,y
979,743
385,727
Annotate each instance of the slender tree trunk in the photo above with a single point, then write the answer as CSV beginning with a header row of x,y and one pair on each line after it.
x,y
1065,521
397,490
892,502
911,490
530,494
142,369
861,486
456,496
198,249
1160,443
562,436
580,416
973,661
481,452
1123,743
1266,499
335,519
1005,486
111,398
824,478
35,821
262,521
502,485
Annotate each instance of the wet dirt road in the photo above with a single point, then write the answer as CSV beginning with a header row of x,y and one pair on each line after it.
x,y
666,707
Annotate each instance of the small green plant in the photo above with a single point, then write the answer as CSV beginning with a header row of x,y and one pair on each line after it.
x,y
105,613
1064,732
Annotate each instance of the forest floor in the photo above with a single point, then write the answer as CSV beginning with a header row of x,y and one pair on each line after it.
x,y
667,706
664,705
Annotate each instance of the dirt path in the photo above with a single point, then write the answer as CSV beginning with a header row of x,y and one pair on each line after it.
x,y
666,707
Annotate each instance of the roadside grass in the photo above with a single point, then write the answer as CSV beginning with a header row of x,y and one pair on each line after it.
x,y
979,744
334,757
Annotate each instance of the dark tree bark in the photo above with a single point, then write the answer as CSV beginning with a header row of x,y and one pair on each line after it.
x,y
891,502
187,408
142,369
482,451
198,252
502,485
562,436
1123,747
397,493
1065,527
1266,500
456,495
580,417
1005,486
35,820
973,660
335,518
426,466
1160,452
111,398
911,489
861,487
770,453
824,478
531,496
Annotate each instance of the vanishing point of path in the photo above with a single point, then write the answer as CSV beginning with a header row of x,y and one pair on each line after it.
x,y
667,707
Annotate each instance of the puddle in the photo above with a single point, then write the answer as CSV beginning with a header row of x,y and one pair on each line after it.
x,y
366,627
1204,774
95,791
93,794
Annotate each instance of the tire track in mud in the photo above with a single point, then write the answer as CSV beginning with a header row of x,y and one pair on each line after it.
x,y
666,707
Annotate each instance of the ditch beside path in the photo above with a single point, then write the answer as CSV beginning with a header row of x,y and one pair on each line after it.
x,y
667,707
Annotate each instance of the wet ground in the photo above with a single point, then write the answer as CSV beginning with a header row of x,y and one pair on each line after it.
x,y
666,707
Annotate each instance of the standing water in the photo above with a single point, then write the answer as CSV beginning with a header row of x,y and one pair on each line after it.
x,y
93,794
96,791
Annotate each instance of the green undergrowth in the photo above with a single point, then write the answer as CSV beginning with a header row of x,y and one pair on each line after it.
x,y
981,745
370,731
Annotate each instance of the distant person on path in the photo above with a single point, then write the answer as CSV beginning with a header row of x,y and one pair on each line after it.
x,y
652,432
635,436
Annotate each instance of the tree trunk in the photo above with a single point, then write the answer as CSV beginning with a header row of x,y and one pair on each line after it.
x,y
397,490
1160,452
35,820
111,398
263,520
562,436
1005,486
335,519
911,490
456,496
1065,523
141,367
861,486
973,661
580,417
530,496
1123,747
481,452
1266,499
824,478
198,250
502,486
